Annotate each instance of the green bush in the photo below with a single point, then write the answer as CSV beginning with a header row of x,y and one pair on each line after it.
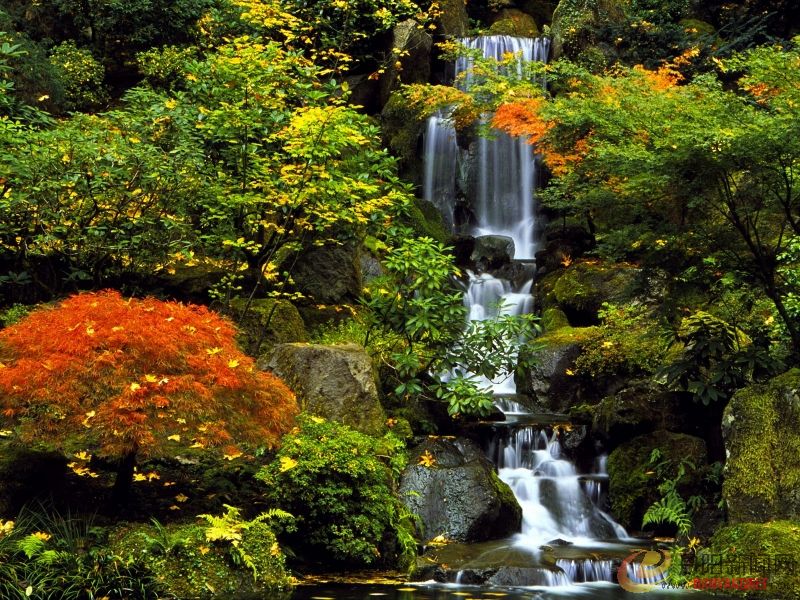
x,y
81,76
338,483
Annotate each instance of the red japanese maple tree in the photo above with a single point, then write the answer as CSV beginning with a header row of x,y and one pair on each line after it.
x,y
124,378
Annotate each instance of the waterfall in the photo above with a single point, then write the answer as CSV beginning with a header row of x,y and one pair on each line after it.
x,y
504,177
559,505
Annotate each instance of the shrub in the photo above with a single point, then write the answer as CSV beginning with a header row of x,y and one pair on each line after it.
x,y
81,76
122,378
334,481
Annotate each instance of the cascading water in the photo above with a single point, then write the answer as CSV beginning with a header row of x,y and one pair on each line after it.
x,y
559,504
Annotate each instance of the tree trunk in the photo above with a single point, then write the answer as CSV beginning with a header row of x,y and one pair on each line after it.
x,y
121,492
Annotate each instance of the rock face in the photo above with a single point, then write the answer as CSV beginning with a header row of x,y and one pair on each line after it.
x,y
335,382
761,426
632,489
329,274
459,495
453,20
414,63
575,23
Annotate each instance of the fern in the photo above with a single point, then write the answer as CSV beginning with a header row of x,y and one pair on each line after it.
x,y
670,509
227,527
30,545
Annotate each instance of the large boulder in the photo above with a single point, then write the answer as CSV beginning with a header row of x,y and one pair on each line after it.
x,y
455,491
761,426
401,131
329,274
582,288
632,487
413,60
335,382
512,21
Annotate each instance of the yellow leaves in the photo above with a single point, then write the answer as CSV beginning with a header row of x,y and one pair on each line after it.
x,y
233,455
174,437
694,543
439,540
41,535
82,471
275,549
89,330
6,527
233,363
569,372
203,550
181,498
171,103
174,507
427,459
317,420
89,416
287,463
151,476
82,455
5,432
213,351
134,387
151,378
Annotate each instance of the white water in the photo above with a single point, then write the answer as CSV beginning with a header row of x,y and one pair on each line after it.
x,y
503,196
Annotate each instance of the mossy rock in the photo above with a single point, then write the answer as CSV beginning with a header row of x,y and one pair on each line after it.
x,y
453,18
553,318
577,24
697,29
581,289
401,132
189,566
511,21
632,487
761,425
759,541
267,322
426,220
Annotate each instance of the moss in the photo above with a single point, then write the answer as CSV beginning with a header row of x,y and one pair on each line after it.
x,y
564,336
511,21
577,23
759,540
425,219
632,489
267,322
502,489
191,567
582,288
762,474
401,129
697,29
553,318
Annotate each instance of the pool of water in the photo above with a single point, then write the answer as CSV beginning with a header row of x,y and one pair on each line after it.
x,y
589,591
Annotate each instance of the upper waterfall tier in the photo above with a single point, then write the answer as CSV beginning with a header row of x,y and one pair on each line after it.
x,y
497,175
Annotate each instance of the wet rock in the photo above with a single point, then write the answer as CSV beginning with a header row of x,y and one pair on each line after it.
x,y
761,426
335,382
576,23
521,576
401,132
492,251
563,244
458,496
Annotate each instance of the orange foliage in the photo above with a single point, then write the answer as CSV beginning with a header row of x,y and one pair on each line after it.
x,y
522,118
124,376
661,79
